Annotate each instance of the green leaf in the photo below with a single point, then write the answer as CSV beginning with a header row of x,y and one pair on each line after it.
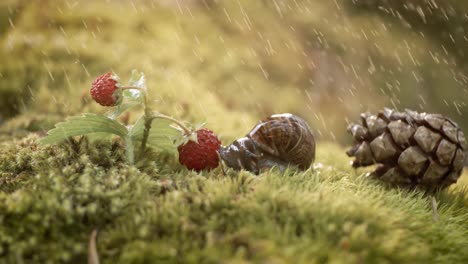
x,y
120,109
137,79
137,129
199,126
180,140
100,136
80,125
134,95
160,136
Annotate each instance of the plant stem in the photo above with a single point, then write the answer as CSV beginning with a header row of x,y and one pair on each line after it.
x,y
148,119
186,130
129,150
133,88
147,116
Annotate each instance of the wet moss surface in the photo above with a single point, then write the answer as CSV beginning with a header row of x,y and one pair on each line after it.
x,y
52,197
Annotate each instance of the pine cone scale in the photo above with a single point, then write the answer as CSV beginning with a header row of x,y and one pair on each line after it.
x,y
459,160
446,152
450,131
433,172
401,132
462,140
435,121
427,139
383,148
375,126
412,161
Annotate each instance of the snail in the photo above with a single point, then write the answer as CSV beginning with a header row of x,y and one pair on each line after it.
x,y
280,140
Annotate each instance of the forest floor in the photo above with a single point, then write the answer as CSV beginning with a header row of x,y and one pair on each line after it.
x,y
53,197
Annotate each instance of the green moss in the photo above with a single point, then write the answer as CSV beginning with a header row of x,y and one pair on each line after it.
x,y
52,197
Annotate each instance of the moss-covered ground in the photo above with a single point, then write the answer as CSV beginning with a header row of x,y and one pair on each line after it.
x,y
200,67
157,212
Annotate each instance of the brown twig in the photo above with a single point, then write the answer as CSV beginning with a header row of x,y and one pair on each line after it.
x,y
435,213
93,257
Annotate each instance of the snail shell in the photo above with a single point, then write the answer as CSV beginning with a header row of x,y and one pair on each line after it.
x,y
280,140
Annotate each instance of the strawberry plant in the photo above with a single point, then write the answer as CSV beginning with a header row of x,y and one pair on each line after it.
x,y
196,152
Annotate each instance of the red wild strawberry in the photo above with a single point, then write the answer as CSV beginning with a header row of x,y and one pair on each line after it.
x,y
104,90
201,155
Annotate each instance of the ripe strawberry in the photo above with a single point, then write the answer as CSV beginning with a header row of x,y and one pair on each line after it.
x,y
201,155
105,90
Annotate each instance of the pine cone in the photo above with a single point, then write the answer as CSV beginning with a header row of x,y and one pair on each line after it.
x,y
412,149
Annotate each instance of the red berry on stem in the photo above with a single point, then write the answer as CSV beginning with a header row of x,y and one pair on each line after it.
x,y
201,155
104,89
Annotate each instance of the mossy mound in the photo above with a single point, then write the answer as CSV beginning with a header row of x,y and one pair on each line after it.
x,y
52,197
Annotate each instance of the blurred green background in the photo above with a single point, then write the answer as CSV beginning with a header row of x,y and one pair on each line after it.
x,y
231,63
